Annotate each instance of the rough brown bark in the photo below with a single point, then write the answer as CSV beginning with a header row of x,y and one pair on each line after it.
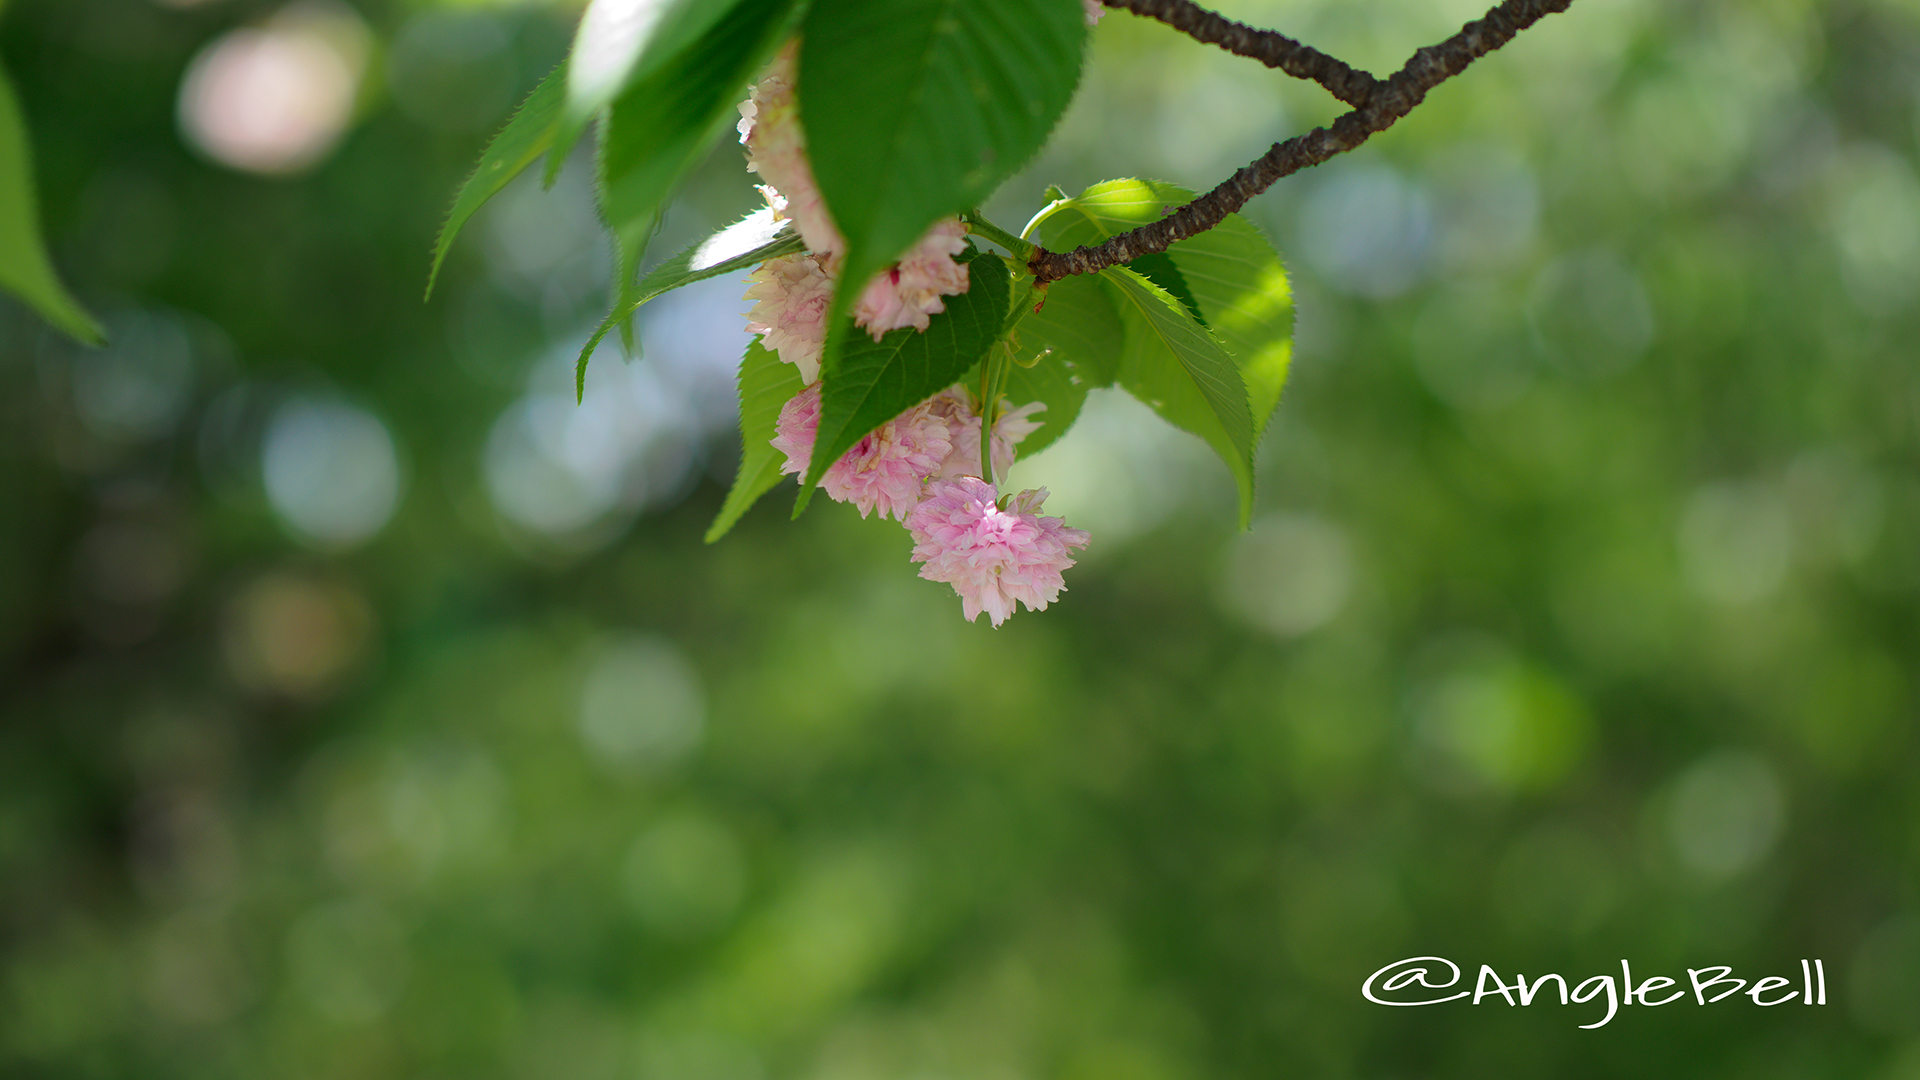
x,y
1382,103
1275,50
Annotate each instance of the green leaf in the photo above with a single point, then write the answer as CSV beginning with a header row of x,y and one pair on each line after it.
x,y
1182,372
766,384
870,382
623,43
527,135
1081,331
1159,268
24,268
665,123
1241,288
748,242
1231,274
917,109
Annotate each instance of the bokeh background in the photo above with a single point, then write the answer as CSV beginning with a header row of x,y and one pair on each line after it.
x,y
368,709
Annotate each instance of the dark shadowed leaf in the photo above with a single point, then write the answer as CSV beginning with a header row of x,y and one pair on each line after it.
x,y
1159,268
24,268
1080,330
528,135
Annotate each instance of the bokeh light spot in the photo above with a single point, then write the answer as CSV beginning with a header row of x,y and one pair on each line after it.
x,y
685,875
1590,314
1724,814
1290,575
1505,724
289,635
138,385
350,960
1367,231
641,704
275,99
1736,542
331,471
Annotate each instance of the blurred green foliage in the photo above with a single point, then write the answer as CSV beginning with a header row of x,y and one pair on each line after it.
x,y
1577,622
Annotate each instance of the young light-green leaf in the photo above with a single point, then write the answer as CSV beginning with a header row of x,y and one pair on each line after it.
x,y
748,242
25,270
665,122
870,382
1080,332
1230,273
622,43
766,384
527,135
1180,370
916,109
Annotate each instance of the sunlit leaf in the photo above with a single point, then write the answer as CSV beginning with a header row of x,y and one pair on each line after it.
x,y
1230,274
766,384
748,242
24,268
664,124
1180,370
621,44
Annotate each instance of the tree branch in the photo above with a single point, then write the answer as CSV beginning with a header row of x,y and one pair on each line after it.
x,y
1275,50
1388,102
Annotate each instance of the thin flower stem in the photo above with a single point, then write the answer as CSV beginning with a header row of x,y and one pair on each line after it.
x,y
986,426
979,225
1021,309
996,365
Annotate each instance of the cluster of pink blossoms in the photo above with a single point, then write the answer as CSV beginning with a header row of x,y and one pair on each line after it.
x,y
920,467
888,470
792,294
992,557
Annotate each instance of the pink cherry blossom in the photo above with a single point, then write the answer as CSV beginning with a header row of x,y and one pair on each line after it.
x,y
909,292
884,471
956,406
1095,9
777,150
905,294
991,557
791,297
794,431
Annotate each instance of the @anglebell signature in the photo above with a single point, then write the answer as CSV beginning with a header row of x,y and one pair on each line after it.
x,y
1415,980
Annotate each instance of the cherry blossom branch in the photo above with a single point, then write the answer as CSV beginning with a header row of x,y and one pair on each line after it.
x,y
1275,50
1388,101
